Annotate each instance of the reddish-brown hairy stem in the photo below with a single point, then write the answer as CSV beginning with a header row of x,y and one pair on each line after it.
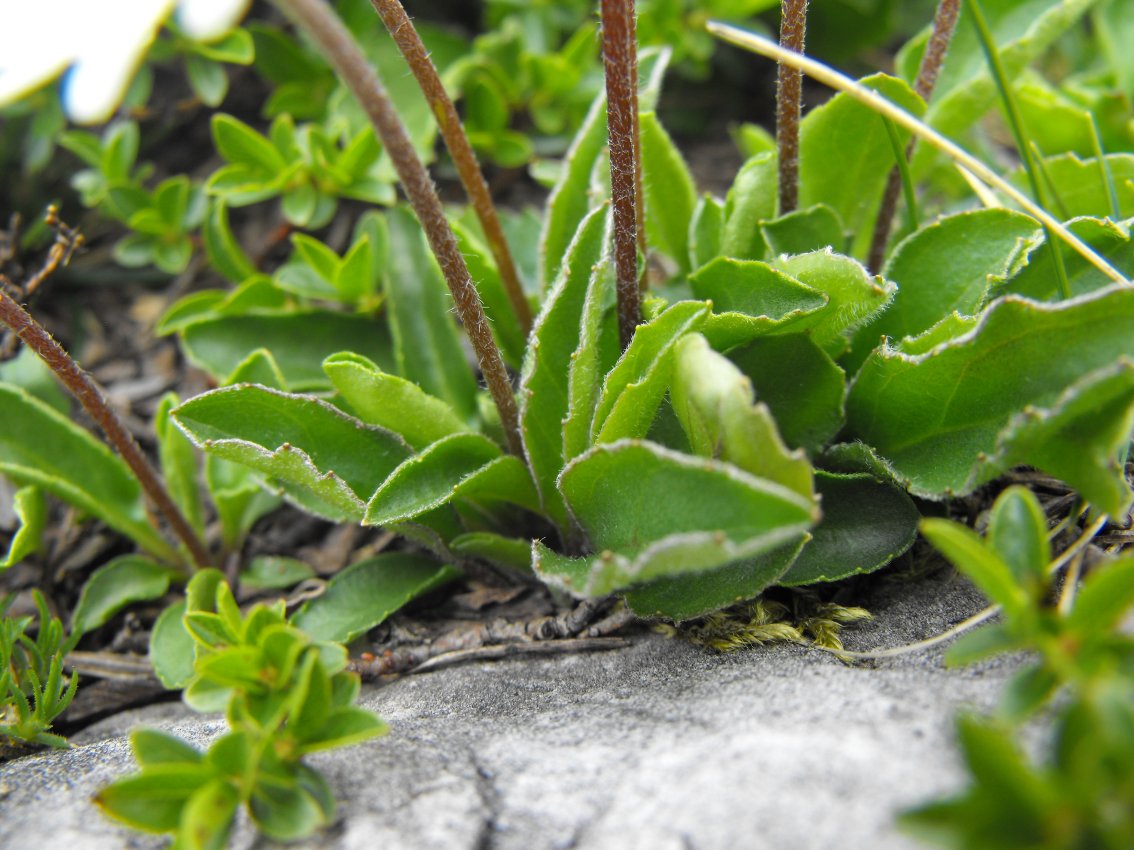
x,y
617,26
639,188
789,103
944,24
405,35
90,396
340,49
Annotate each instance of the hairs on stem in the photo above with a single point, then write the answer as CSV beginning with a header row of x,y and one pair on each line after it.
x,y
405,35
830,77
353,68
789,103
622,109
944,25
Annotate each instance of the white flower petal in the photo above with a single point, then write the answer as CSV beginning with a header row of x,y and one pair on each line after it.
x,y
109,56
206,20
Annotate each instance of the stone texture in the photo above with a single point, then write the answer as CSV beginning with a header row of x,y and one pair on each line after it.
x,y
660,745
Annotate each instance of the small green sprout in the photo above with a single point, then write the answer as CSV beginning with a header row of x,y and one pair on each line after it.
x,y
33,689
284,695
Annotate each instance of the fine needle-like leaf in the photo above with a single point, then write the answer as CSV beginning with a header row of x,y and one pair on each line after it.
x,y
405,35
352,66
830,77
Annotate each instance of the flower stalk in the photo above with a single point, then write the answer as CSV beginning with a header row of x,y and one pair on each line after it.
x,y
619,63
353,68
405,35
789,103
944,25
94,402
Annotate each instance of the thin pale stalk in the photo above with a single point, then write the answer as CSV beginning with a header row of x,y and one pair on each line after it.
x,y
353,68
830,77
1105,173
944,25
1019,134
617,17
91,397
405,35
789,103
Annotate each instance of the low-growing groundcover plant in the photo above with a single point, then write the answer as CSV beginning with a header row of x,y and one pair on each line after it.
x,y
715,397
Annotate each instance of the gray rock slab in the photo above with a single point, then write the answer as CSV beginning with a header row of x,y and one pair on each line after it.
x,y
659,745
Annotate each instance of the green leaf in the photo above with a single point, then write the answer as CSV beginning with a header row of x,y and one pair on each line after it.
x,y
1017,532
932,415
854,295
1104,598
595,356
41,447
1023,30
115,585
391,402
426,342
30,507
285,813
570,200
153,747
241,145
802,231
845,155
274,572
178,463
948,266
714,402
670,193
482,269
496,549
752,299
751,199
683,597
207,818
239,497
985,642
969,554
705,230
343,727
356,279
544,393
172,648
364,594
327,462
635,387
711,513
1081,189
299,342
152,801
29,373
801,384
430,479
224,252
1038,279
866,524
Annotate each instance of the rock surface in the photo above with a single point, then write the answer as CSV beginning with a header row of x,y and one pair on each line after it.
x,y
660,745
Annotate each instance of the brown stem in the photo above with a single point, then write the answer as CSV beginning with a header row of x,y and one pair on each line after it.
x,y
618,61
353,68
944,24
405,35
90,396
789,103
639,188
